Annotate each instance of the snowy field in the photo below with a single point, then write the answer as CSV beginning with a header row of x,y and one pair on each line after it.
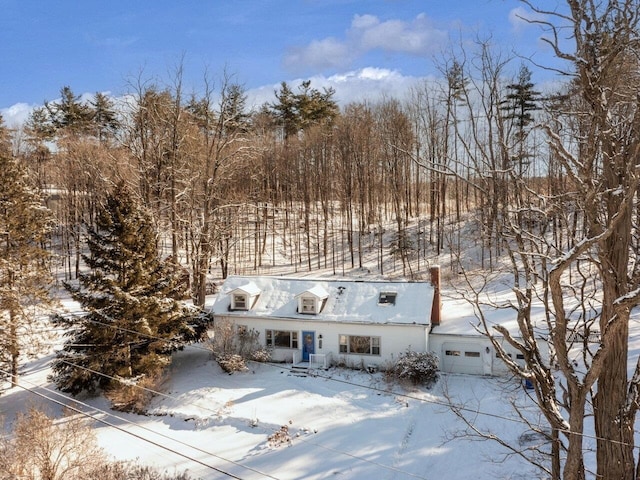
x,y
341,423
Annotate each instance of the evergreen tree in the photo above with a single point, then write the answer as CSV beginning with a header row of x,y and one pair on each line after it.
x,y
69,113
104,118
521,101
25,277
133,319
299,111
519,104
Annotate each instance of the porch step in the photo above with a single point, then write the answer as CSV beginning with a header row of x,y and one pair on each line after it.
x,y
300,366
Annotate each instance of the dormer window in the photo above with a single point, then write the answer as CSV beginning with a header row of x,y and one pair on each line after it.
x,y
308,305
387,298
312,301
244,297
239,302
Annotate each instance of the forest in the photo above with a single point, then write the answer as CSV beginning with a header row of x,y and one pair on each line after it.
x,y
320,182
541,181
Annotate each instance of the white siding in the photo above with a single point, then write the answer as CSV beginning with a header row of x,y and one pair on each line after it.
x,y
394,339
476,356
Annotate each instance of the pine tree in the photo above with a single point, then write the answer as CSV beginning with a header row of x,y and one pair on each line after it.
x,y
25,276
299,111
133,319
104,117
519,104
69,113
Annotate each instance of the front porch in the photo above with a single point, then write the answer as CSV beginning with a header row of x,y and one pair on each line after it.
x,y
316,361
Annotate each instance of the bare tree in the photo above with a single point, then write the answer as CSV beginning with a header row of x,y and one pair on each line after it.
x,y
41,448
224,148
590,285
25,275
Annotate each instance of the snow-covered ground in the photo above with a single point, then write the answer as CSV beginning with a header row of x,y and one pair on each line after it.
x,y
341,423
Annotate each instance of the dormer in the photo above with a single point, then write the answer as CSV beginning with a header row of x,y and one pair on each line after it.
x,y
244,297
311,302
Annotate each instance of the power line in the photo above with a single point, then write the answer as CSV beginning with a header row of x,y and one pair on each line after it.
x,y
460,408
273,430
404,395
140,437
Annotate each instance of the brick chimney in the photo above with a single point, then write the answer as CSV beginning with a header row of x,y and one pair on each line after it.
x,y
437,305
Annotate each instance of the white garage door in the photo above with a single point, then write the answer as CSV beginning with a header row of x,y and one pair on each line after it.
x,y
461,357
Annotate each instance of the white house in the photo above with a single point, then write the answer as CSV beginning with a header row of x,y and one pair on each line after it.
x,y
351,322
357,323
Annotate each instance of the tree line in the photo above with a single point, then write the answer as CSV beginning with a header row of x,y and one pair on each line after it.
x,y
298,180
541,183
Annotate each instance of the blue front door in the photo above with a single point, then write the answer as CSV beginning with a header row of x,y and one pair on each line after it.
x,y
308,345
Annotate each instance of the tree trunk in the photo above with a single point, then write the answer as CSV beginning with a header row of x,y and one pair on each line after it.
x,y
14,347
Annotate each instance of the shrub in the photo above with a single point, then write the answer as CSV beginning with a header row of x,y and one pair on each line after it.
x,y
261,355
233,345
420,368
280,437
132,471
133,395
40,447
231,362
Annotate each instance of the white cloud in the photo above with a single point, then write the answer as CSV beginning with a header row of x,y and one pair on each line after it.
x,y
418,37
327,53
364,21
520,19
368,33
370,84
15,115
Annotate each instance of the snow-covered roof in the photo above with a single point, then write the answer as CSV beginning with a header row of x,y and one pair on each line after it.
x,y
353,301
317,291
460,317
250,288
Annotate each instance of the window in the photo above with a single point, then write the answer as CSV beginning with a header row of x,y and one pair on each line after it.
x,y
239,302
282,339
360,345
308,305
387,298
452,353
472,354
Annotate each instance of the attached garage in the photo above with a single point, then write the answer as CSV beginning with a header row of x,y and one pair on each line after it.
x,y
465,357
473,355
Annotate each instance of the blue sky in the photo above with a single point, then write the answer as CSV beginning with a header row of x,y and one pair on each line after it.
x,y
103,46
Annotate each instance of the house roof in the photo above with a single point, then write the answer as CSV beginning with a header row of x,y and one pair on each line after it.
x,y
351,301
249,288
317,291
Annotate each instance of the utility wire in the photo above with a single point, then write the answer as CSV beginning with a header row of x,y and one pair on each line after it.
x,y
272,430
460,408
124,420
109,424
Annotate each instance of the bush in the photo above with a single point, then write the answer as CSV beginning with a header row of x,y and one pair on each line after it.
x,y
261,355
133,395
232,346
420,368
280,437
40,447
132,471
231,362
